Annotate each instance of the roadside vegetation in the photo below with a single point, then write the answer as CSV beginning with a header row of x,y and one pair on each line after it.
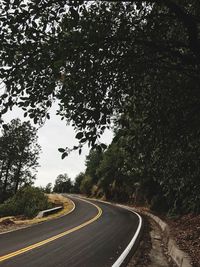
x,y
10,223
28,201
119,174
19,154
130,65
134,65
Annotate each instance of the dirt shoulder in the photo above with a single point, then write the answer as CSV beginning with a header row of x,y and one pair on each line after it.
x,y
141,257
11,223
186,231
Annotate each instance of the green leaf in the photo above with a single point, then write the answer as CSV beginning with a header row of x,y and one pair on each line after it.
x,y
5,127
104,146
4,96
74,14
83,140
34,24
61,150
64,155
79,135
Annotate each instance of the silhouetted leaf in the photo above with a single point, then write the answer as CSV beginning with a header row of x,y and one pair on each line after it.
x,y
61,150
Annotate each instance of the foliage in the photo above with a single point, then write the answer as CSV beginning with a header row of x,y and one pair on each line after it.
x,y
18,156
116,48
136,62
77,182
48,188
114,182
86,185
28,201
88,181
92,163
63,184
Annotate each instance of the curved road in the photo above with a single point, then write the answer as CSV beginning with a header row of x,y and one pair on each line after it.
x,y
90,236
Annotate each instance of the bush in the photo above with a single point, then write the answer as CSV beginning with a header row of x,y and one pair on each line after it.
x,y
28,201
86,185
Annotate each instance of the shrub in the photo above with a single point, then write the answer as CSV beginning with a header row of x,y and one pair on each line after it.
x,y
28,201
86,185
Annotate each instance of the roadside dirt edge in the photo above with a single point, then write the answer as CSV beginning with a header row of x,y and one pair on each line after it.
x,y
179,257
16,224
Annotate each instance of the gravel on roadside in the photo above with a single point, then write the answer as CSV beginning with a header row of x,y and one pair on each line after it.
x,y
186,231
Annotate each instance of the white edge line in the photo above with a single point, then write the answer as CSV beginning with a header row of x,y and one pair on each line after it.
x,y
125,253
74,206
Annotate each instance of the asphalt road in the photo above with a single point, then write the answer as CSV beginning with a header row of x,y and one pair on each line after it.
x,y
98,244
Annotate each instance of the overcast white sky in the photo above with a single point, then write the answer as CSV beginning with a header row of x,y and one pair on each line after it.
x,y
52,135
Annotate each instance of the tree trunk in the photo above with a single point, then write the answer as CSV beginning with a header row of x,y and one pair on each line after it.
x,y
17,176
6,180
1,173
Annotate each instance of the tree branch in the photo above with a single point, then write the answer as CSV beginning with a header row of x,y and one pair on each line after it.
x,y
190,22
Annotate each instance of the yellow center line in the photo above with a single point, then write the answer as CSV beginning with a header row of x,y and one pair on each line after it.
x,y
46,241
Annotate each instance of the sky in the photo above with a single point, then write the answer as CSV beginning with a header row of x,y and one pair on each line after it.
x,y
53,135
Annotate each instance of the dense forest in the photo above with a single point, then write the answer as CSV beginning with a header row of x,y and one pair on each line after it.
x,y
131,65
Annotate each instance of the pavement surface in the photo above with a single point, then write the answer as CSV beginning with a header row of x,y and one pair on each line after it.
x,y
97,240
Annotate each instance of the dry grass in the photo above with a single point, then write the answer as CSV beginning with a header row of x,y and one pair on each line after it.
x,y
58,200
18,222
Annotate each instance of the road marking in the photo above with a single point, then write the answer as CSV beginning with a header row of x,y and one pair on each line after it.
x,y
127,250
46,241
26,226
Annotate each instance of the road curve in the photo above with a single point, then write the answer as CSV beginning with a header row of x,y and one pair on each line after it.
x,y
90,236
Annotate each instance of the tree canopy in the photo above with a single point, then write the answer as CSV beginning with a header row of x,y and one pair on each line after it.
x,y
63,184
94,58
132,64
19,153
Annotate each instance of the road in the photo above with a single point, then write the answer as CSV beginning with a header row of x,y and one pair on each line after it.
x,y
95,234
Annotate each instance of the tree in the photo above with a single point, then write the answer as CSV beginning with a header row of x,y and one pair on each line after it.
x,y
115,48
139,60
77,182
63,184
27,201
161,155
18,157
48,188
92,163
115,182
86,185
